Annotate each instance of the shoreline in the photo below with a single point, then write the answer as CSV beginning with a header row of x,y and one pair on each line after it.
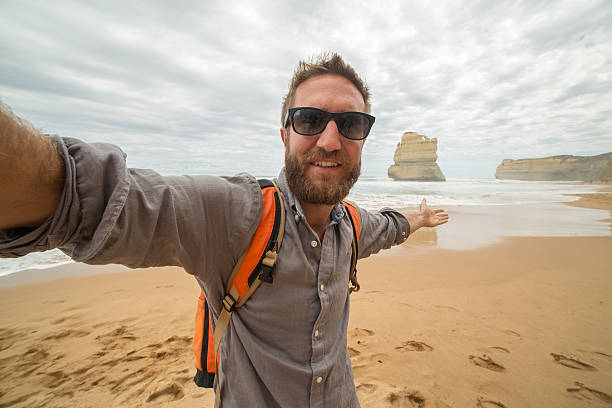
x,y
463,216
488,225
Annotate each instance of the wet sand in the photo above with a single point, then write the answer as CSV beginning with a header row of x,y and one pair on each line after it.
x,y
523,322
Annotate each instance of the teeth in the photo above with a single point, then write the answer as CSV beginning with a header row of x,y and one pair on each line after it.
x,y
325,164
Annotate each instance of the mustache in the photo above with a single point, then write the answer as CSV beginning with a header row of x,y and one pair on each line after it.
x,y
321,155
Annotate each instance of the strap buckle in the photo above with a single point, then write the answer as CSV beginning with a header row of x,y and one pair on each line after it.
x,y
267,266
229,302
266,274
355,285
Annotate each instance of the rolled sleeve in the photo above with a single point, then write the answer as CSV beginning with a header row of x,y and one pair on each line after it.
x,y
110,213
57,231
381,230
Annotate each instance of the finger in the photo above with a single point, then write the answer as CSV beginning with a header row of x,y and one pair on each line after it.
x,y
437,210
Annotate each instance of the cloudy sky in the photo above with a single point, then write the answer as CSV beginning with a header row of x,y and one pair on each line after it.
x,y
196,86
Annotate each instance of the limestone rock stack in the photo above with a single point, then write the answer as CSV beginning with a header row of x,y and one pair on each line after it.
x,y
558,168
415,159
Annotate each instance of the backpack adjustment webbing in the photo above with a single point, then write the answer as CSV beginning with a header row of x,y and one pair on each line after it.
x,y
268,263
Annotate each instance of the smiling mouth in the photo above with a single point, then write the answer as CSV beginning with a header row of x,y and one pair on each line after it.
x,y
325,164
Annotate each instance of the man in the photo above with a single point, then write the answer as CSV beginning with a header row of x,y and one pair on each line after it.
x,y
288,346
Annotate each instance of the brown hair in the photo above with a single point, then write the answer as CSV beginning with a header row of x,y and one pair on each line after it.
x,y
325,63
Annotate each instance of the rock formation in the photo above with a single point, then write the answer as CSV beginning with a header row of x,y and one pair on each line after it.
x,y
558,168
415,159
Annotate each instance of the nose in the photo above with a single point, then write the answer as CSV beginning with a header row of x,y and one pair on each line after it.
x,y
330,138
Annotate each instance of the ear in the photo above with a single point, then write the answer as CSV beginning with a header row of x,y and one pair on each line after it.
x,y
283,133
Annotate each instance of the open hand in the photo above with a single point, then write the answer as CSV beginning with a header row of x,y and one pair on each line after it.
x,y
431,218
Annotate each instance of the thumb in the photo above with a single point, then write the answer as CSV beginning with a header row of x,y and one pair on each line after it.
x,y
423,204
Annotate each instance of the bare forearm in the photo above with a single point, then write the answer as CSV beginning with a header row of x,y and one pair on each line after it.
x,y
31,173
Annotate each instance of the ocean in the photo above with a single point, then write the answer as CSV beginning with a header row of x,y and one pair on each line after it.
x,y
489,209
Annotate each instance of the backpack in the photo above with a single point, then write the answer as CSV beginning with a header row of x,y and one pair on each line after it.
x,y
254,266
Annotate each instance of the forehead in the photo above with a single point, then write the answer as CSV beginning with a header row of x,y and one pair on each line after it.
x,y
332,93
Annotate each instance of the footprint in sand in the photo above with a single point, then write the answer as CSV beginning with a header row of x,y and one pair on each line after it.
x,y
494,349
357,332
97,381
36,353
368,360
172,347
360,335
379,358
412,345
512,333
406,398
487,362
54,379
571,362
116,338
353,352
366,388
167,393
62,334
482,403
581,391
454,309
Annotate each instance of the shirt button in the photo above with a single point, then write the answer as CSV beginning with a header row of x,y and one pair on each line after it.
x,y
314,244
322,286
319,379
316,333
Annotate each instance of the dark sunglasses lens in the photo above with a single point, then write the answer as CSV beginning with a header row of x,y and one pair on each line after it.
x,y
354,126
309,121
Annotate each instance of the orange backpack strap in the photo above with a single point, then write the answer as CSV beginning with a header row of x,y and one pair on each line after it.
x,y
254,266
203,347
353,215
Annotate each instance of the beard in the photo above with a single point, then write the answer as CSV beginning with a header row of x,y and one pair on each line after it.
x,y
327,191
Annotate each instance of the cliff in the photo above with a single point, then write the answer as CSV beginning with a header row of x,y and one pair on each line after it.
x,y
558,168
415,159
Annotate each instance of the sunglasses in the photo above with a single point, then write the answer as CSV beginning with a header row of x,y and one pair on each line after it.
x,y
312,121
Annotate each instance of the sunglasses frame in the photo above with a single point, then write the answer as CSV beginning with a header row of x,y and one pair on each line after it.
x,y
329,116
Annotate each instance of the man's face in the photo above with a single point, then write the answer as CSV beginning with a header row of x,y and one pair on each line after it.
x,y
321,169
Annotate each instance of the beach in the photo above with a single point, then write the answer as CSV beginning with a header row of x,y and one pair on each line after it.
x,y
525,321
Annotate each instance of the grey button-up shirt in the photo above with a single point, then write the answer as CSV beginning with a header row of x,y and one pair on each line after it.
x,y
287,347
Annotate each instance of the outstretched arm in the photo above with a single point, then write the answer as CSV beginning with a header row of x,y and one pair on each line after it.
x,y
426,217
31,173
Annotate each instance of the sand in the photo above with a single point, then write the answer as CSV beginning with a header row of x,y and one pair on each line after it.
x,y
525,322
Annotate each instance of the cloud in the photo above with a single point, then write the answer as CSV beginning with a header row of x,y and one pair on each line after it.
x,y
196,86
